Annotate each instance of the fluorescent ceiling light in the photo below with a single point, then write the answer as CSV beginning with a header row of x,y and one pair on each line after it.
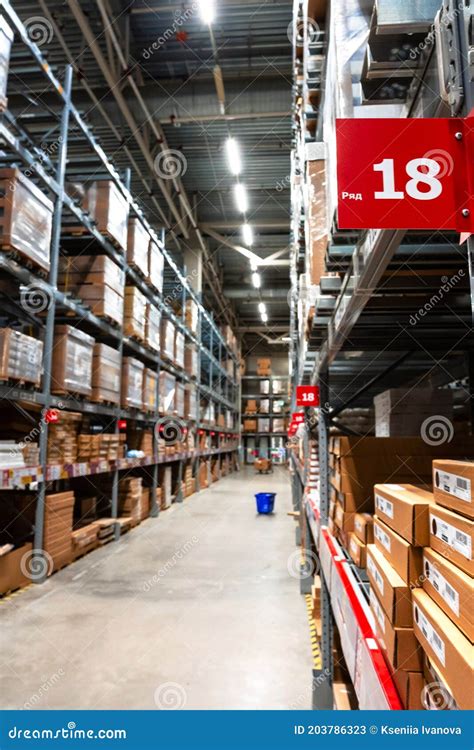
x,y
264,317
256,280
261,307
247,234
207,10
233,156
241,199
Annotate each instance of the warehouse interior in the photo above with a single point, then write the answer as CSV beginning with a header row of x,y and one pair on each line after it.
x,y
226,410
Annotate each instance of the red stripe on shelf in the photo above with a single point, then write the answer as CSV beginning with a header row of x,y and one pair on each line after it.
x,y
376,656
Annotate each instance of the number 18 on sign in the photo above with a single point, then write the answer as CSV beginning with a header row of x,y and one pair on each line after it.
x,y
307,395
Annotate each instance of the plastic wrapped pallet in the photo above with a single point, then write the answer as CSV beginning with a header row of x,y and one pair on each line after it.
x,y
137,246
72,361
106,367
97,281
191,360
155,266
6,39
132,383
109,209
20,357
150,390
134,313
166,403
190,402
179,399
179,349
152,326
26,218
167,339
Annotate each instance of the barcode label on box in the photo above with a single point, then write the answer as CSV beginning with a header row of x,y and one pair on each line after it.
x,y
454,538
382,536
444,589
375,574
430,634
455,485
384,505
359,526
377,609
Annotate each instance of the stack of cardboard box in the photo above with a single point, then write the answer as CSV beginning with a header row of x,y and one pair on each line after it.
x,y
130,495
137,246
442,611
166,488
106,446
134,313
57,537
167,339
190,402
403,411
72,361
191,360
251,406
250,425
264,366
62,438
167,393
179,349
106,369
132,383
109,210
149,390
20,357
155,267
97,281
152,327
84,540
191,315
189,481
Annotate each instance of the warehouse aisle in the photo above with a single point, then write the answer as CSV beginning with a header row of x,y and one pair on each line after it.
x,y
196,609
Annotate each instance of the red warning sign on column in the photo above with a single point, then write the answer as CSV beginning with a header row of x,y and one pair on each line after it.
x,y
307,395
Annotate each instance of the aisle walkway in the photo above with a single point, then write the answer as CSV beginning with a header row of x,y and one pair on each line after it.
x,y
195,609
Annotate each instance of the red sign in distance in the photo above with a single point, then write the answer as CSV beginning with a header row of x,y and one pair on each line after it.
x,y
122,424
51,416
405,173
297,417
307,395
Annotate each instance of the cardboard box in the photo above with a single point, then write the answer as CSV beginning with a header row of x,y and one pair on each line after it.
x,y
450,651
399,645
357,550
405,559
149,390
155,267
108,207
72,361
134,313
343,520
364,527
132,383
167,397
138,240
410,689
453,485
152,327
452,536
344,697
21,357
451,588
405,508
251,406
250,425
106,369
12,576
392,591
436,696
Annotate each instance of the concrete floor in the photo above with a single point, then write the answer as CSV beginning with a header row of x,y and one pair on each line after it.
x,y
195,609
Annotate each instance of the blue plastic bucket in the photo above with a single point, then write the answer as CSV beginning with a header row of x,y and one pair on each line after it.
x,y
265,501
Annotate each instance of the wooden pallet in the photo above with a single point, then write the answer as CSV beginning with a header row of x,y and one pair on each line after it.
x,y
25,261
80,231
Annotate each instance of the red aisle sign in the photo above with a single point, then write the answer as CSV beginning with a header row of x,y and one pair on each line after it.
x,y
405,173
307,395
297,417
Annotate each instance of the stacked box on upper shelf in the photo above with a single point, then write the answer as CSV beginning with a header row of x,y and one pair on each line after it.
x,y
106,368
403,411
167,386
191,361
97,281
167,339
132,383
109,209
134,313
72,361
152,326
150,390
20,357
137,246
179,349
155,266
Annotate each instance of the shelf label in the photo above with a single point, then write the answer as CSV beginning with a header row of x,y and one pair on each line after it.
x,y
382,536
307,395
404,174
384,505
450,535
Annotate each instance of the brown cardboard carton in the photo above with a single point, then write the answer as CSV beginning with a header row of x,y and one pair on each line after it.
x,y
138,240
386,448
364,527
392,591
12,571
134,313
357,550
250,425
436,696
405,559
452,536
20,356
451,589
410,689
106,367
405,508
167,397
155,266
399,645
453,485
344,697
132,383
450,651
150,390
72,361
152,327
343,520
108,207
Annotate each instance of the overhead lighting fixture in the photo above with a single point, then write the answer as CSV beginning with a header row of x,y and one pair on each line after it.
x,y
256,280
241,199
264,317
233,156
247,234
261,307
207,10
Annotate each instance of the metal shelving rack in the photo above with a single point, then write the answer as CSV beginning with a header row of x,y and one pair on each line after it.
x,y
73,138
262,439
359,345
